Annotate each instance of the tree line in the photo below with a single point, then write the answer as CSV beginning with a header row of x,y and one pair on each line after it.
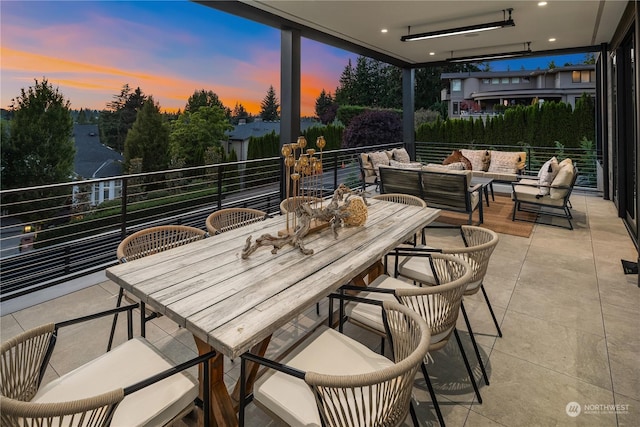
x,y
36,132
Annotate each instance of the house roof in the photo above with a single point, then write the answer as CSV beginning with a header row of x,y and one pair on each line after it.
x,y
516,73
93,159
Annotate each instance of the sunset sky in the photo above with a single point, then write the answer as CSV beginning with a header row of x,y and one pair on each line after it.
x,y
91,49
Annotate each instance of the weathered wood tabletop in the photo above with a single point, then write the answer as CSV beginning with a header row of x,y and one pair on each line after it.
x,y
233,303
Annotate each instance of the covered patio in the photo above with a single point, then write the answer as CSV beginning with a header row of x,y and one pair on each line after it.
x,y
567,311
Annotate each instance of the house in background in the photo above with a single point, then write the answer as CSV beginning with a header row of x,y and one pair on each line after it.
x,y
480,92
238,138
95,160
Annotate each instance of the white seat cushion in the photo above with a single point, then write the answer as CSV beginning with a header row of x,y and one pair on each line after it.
x,y
419,269
369,314
125,365
325,351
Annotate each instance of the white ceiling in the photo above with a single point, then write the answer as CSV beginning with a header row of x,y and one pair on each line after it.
x,y
573,24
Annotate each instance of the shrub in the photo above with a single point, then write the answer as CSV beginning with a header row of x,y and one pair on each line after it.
x,y
373,128
425,116
346,113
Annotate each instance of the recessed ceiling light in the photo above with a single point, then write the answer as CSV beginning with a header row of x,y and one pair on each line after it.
x,y
542,3
552,39
432,53
384,30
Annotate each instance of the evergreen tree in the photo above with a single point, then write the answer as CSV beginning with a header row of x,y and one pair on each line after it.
x,y
345,92
584,116
148,139
391,87
82,117
38,148
121,113
239,113
270,108
323,107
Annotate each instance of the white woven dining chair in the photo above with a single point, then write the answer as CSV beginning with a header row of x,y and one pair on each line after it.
x,y
437,305
131,385
479,244
147,242
231,218
333,380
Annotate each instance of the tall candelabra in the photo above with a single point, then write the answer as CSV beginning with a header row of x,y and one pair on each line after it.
x,y
303,175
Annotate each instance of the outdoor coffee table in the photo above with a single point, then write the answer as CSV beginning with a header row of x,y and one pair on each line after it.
x,y
233,305
487,184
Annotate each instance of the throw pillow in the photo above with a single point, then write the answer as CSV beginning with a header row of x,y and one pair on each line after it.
x,y
401,155
378,158
366,164
546,174
504,162
566,161
405,165
563,178
455,157
479,159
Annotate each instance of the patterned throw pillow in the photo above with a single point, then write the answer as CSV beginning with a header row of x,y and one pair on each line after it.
x,y
505,162
455,157
547,172
378,158
401,155
480,159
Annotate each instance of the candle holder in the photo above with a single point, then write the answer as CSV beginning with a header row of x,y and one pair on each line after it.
x,y
303,177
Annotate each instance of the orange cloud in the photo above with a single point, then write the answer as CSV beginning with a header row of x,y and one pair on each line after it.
x,y
170,90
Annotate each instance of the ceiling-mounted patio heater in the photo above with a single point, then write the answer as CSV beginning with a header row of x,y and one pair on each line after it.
x,y
493,56
462,30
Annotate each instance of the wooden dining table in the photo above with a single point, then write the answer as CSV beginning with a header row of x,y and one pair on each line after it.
x,y
234,305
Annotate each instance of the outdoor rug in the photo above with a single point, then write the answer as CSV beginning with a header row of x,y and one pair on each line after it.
x,y
497,217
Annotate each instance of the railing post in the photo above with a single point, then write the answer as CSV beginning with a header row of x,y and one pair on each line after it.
x,y
335,171
67,261
220,187
123,209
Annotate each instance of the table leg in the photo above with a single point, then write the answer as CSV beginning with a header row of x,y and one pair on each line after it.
x,y
222,411
369,275
486,193
491,188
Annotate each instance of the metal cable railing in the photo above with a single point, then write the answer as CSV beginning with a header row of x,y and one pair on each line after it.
x,y
54,233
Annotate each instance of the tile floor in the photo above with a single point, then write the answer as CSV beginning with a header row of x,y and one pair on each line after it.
x,y
569,315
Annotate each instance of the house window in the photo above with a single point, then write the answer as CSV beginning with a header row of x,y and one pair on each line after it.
x,y
584,76
495,81
456,85
456,108
515,80
505,80
486,81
